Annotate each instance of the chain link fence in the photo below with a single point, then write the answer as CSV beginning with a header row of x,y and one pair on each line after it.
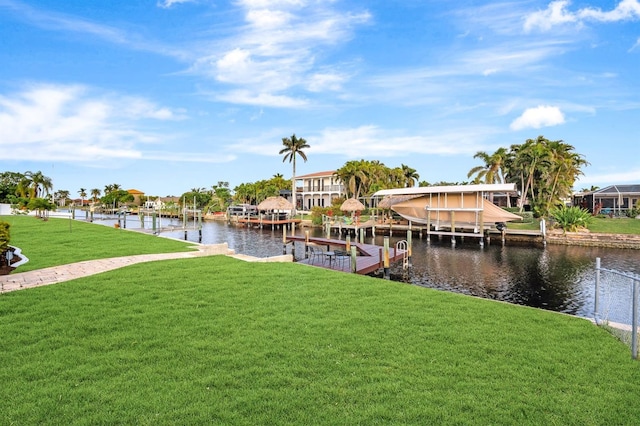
x,y
616,304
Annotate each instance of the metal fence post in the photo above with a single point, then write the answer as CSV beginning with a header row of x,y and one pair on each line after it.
x,y
596,298
634,321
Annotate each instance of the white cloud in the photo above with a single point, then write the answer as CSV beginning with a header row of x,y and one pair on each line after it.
x,y
71,123
166,4
277,49
248,97
541,116
325,81
376,142
624,11
602,179
265,18
557,13
554,14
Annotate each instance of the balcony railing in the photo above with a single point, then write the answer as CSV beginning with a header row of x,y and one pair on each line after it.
x,y
320,188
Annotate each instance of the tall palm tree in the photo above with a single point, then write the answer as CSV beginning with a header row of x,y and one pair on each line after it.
x,y
95,193
42,183
492,171
83,194
410,175
350,175
293,147
35,185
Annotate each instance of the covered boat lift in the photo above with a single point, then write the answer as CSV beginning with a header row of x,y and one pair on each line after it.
x,y
456,211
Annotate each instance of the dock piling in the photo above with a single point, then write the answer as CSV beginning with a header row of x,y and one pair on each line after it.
x,y
386,258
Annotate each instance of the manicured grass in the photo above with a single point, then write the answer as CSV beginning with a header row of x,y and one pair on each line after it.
x,y
58,242
220,341
598,225
615,226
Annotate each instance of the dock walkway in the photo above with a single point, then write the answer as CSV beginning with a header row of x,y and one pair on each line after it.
x,y
369,258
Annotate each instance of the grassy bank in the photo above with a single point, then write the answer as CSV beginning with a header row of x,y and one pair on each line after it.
x,y
61,241
220,341
598,225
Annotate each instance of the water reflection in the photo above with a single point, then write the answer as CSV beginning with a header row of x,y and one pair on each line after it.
x,y
557,278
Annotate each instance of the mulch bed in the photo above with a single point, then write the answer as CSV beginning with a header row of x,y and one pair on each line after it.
x,y
5,269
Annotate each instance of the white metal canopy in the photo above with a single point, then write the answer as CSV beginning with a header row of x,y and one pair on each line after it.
x,y
418,190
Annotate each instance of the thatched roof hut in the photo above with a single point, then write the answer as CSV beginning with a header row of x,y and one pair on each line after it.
x,y
275,203
352,205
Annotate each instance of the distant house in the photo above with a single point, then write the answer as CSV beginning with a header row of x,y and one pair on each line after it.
x,y
137,196
318,189
162,203
613,200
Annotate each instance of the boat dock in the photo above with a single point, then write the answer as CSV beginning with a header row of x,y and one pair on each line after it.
x,y
262,221
400,228
325,253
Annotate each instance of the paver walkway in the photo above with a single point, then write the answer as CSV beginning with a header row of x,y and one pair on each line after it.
x,y
58,274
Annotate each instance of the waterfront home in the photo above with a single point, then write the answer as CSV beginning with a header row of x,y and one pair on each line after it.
x,y
318,189
614,200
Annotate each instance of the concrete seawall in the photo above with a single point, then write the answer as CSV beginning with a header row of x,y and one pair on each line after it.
x,y
623,241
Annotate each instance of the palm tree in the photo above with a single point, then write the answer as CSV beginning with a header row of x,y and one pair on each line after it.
x,y
83,193
410,175
350,175
62,196
41,184
95,193
492,171
292,148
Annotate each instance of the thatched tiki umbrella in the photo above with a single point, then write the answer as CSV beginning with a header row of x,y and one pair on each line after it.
x,y
352,205
275,203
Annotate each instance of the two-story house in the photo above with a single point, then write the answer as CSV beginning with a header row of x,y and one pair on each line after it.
x,y
318,189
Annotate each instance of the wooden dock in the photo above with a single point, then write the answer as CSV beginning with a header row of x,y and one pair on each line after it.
x,y
262,221
369,258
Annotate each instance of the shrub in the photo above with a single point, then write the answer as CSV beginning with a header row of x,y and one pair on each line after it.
x,y
317,212
5,236
570,219
634,212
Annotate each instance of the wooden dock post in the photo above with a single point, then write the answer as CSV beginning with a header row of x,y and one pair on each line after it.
x,y
453,228
386,258
153,222
348,240
284,240
362,235
353,260
306,244
409,247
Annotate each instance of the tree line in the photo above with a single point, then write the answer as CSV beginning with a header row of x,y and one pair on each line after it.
x,y
543,172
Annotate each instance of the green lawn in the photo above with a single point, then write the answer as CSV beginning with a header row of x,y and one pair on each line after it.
x,y
219,341
598,225
615,225
61,241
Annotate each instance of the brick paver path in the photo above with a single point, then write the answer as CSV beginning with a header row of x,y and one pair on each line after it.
x,y
58,274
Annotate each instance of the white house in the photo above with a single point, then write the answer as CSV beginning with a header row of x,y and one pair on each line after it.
x,y
318,189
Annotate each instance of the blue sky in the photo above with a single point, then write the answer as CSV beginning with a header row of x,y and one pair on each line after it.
x,y
169,95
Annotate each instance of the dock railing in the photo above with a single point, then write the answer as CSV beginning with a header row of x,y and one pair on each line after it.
x,y
616,304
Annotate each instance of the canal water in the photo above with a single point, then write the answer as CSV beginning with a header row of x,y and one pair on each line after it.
x,y
555,277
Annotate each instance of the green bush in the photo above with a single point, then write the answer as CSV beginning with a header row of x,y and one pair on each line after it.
x,y
317,212
5,236
570,219
527,217
634,212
